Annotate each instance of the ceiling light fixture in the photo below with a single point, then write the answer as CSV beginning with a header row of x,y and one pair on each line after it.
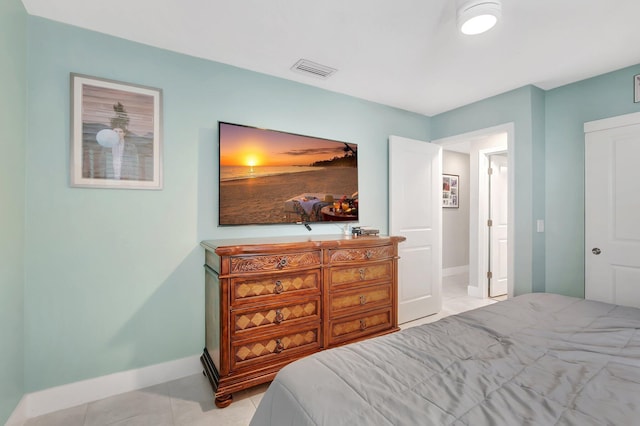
x,y
478,16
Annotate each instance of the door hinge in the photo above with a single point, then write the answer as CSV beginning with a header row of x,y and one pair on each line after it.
x,y
489,275
489,171
489,223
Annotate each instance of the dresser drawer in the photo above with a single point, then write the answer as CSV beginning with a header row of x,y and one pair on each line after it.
x,y
276,347
269,318
361,274
357,326
365,298
274,262
250,290
361,254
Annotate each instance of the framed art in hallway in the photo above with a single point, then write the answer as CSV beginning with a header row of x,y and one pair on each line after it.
x,y
116,139
450,191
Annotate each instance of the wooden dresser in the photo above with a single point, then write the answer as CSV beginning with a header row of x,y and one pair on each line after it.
x,y
270,301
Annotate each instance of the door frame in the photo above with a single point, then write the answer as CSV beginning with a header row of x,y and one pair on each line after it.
x,y
479,144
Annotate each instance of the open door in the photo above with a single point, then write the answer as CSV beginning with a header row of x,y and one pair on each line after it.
x,y
498,214
415,212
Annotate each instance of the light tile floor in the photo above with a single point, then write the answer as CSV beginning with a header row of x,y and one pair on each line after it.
x,y
189,401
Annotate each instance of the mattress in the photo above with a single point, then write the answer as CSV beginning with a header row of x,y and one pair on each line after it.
x,y
537,359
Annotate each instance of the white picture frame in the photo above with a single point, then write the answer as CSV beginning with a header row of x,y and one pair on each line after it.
x,y
116,139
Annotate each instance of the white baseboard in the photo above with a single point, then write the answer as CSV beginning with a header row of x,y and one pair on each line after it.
x,y
455,270
19,415
474,291
73,394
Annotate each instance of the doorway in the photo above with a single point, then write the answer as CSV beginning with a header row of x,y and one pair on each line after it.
x,y
480,146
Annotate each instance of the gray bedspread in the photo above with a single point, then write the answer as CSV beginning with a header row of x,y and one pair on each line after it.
x,y
537,359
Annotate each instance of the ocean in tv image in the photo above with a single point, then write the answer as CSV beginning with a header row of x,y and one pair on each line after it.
x,y
273,177
249,172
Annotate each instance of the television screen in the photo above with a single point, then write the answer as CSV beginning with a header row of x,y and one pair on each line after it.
x,y
274,177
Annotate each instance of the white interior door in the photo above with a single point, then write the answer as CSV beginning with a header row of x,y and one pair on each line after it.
x,y
612,206
415,212
498,214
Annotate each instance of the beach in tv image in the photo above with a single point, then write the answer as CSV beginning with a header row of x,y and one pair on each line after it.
x,y
275,177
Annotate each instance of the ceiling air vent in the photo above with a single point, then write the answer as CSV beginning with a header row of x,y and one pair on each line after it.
x,y
313,69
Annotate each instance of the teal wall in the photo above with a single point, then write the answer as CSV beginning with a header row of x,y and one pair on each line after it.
x,y
13,93
520,107
567,109
115,277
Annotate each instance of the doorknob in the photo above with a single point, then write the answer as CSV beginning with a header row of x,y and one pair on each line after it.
x,y
596,251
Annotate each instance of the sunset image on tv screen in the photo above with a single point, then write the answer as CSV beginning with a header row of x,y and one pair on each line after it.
x,y
271,177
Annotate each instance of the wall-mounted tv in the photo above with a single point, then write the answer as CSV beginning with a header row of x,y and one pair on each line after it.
x,y
275,177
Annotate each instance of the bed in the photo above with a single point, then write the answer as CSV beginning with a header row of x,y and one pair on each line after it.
x,y
538,359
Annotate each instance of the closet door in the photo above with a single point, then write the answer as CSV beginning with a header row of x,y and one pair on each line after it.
x,y
612,206
415,212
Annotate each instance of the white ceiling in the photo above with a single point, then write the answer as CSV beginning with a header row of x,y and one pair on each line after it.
x,y
403,53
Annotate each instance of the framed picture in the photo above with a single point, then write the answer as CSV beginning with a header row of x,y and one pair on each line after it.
x,y
116,139
450,191
636,88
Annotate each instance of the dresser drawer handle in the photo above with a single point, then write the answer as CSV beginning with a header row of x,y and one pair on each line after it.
x,y
363,324
279,317
363,299
361,271
279,346
279,288
282,263
368,254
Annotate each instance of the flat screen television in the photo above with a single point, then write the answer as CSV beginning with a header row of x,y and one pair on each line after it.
x,y
275,177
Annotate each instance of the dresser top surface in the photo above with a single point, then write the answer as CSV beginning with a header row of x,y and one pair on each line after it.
x,y
302,241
